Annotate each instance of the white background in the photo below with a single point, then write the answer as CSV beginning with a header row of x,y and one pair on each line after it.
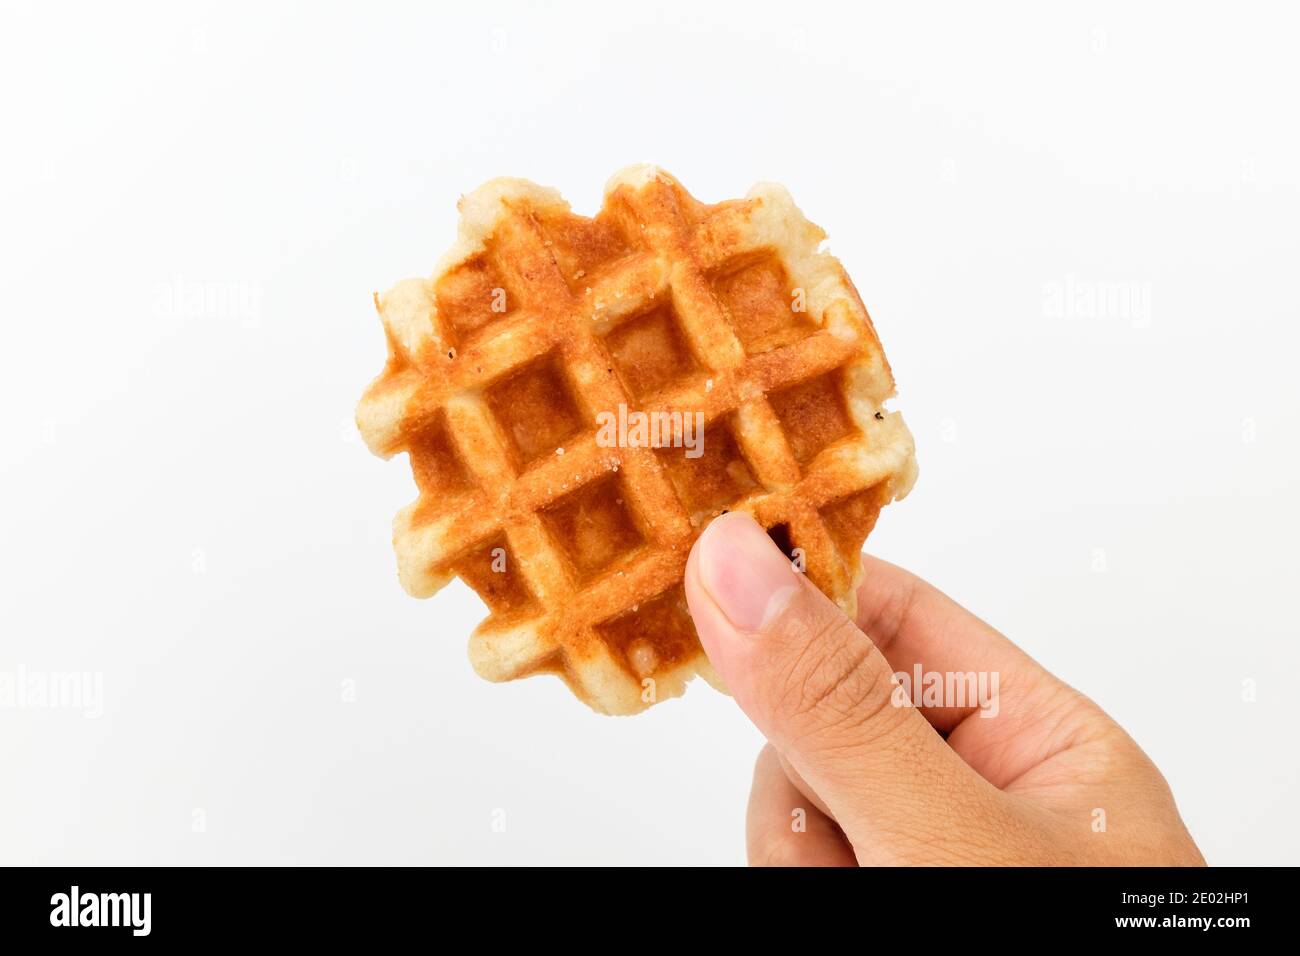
x,y
197,203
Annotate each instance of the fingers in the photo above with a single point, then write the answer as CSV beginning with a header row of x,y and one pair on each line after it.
x,y
926,637
820,691
801,785
783,828
916,625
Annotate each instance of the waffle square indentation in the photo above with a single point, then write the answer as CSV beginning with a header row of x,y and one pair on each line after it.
x,y
535,409
473,296
655,634
812,415
650,352
593,527
583,248
850,519
437,467
496,577
719,477
759,300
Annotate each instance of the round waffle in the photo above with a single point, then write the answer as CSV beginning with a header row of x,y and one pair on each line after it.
x,y
579,397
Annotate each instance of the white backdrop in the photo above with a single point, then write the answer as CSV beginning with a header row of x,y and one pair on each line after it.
x,y
1076,234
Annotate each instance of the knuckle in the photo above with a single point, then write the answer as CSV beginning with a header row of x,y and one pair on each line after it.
x,y
837,681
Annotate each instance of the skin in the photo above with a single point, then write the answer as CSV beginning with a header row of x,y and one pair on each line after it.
x,y
855,774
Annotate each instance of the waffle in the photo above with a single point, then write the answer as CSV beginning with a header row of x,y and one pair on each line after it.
x,y
537,322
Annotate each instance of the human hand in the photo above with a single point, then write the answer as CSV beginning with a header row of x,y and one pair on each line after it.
x,y
1044,778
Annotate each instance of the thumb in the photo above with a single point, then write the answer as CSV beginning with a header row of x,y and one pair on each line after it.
x,y
822,693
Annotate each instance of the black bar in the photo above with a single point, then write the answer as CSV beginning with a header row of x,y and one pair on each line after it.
x,y
235,905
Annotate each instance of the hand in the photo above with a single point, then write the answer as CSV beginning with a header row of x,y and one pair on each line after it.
x,y
1033,773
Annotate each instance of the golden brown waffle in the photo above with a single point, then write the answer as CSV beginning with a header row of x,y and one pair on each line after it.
x,y
537,321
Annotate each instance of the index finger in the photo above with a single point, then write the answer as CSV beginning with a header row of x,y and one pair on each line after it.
x,y
921,631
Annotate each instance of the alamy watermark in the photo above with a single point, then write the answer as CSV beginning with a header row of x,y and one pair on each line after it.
x,y
77,908
922,688
209,300
636,429
1076,298
24,689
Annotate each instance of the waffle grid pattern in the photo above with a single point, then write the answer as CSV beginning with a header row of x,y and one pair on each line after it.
x,y
498,410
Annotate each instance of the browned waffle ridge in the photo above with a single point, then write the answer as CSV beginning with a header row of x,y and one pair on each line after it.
x,y
536,322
